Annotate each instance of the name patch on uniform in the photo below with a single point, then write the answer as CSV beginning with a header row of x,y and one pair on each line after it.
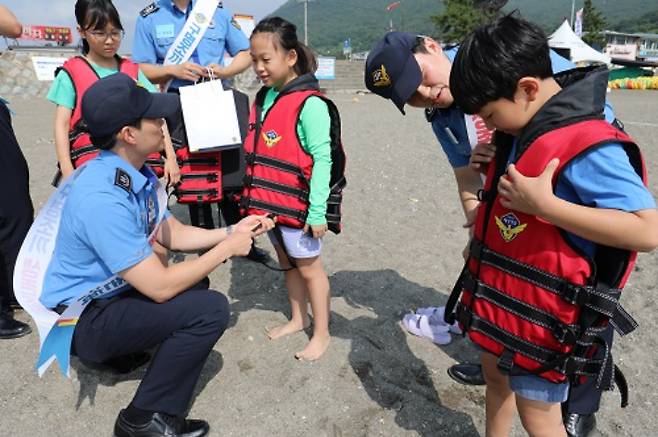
x,y
122,180
164,31
149,9
509,226
271,138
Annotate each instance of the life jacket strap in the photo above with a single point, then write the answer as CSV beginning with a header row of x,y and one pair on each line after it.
x,y
253,158
252,181
564,333
248,202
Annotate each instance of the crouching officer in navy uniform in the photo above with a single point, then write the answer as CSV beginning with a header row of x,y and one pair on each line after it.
x,y
105,225
155,32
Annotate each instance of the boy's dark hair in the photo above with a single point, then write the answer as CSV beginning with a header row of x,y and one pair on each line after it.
x,y
286,34
493,58
108,141
95,15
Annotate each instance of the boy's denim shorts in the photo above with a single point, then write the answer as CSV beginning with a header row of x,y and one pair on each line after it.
x,y
536,388
533,387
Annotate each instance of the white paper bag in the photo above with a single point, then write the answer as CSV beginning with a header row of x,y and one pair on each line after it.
x,y
211,121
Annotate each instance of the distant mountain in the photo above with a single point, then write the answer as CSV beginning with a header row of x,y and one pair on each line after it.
x,y
331,22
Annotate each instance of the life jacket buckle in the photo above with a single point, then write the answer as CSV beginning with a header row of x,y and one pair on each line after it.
x,y
250,158
569,366
505,362
465,317
576,294
565,334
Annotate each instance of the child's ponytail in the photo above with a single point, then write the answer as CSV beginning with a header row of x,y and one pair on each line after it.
x,y
286,34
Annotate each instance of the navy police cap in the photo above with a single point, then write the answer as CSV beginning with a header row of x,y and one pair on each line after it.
x,y
118,100
392,70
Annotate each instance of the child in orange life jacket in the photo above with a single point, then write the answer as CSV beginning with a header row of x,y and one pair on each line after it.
x,y
101,33
295,166
565,209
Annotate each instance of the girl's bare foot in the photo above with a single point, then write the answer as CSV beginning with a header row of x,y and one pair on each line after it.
x,y
315,348
289,328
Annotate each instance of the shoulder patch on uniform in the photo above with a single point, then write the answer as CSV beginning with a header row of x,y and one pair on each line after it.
x,y
122,180
149,9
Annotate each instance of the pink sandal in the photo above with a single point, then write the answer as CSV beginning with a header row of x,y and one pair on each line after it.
x,y
419,325
435,315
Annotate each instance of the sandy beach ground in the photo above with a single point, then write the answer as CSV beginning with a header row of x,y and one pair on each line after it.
x,y
400,249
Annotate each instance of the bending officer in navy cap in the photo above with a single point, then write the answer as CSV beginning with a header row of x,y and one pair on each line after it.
x,y
104,231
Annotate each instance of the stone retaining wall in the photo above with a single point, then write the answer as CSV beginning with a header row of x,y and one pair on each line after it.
x,y
18,78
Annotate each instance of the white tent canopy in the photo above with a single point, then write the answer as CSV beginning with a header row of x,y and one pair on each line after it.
x,y
565,38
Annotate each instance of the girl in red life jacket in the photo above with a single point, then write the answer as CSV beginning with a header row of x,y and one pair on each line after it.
x,y
289,175
101,33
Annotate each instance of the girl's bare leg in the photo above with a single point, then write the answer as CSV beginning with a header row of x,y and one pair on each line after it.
x,y
317,284
297,293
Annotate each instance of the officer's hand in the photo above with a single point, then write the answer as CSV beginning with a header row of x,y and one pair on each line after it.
x,y
218,71
256,224
171,172
317,231
239,241
481,156
189,71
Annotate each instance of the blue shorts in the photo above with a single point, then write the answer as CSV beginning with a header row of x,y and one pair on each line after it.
x,y
536,388
298,244
533,387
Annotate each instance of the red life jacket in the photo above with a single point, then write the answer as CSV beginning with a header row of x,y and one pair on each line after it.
x,y
201,176
530,296
208,176
83,76
278,170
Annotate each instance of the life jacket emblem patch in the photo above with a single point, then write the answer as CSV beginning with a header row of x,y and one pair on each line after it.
x,y
509,226
271,138
380,77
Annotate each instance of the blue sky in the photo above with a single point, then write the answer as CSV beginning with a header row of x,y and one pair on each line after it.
x,y
61,12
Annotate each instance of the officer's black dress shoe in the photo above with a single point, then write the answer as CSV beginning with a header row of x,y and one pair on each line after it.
x,y
12,328
579,425
160,425
257,255
467,374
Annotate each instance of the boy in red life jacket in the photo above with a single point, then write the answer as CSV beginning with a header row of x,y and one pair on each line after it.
x,y
565,209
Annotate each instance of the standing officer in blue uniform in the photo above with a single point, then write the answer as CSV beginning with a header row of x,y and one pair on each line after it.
x,y
111,210
415,70
15,203
157,27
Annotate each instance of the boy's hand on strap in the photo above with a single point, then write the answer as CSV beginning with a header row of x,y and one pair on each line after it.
x,y
481,156
527,194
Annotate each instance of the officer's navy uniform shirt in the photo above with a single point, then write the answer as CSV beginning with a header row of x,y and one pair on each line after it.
x,y
104,228
156,32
